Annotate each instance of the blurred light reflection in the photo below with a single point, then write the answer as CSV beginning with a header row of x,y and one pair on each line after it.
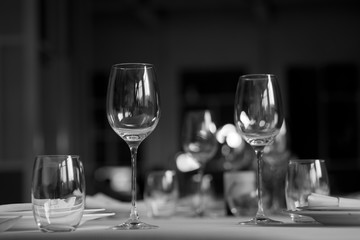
x,y
186,163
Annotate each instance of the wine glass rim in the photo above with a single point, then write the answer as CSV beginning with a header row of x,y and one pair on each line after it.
x,y
132,65
57,156
257,75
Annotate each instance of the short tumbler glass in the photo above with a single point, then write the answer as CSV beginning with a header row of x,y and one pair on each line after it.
x,y
240,192
161,193
304,176
58,192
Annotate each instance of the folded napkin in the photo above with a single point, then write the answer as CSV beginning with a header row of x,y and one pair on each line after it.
x,y
19,216
15,207
318,200
7,222
100,200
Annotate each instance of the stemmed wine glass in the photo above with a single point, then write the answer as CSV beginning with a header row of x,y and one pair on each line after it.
x,y
199,141
133,111
258,117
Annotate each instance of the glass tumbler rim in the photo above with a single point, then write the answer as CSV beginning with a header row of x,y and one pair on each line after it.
x,y
307,160
162,171
132,65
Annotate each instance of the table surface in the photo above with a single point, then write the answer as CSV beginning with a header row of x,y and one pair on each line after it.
x,y
190,228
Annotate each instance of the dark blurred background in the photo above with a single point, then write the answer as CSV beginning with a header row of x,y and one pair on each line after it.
x,y
55,57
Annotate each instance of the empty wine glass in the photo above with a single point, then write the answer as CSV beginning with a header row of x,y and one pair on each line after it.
x,y
258,117
199,141
133,111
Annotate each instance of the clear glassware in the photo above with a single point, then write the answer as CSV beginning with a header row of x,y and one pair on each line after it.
x,y
161,193
133,111
258,118
198,139
58,192
303,177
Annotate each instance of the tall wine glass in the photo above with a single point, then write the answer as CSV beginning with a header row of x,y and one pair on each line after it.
x,y
258,117
199,141
133,111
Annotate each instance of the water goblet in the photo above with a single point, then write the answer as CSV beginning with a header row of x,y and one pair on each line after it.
x,y
133,112
258,118
200,142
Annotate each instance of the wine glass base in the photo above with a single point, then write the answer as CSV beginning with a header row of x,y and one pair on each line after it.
x,y
261,221
134,225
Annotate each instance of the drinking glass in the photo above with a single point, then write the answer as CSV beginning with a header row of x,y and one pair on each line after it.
x,y
240,192
258,118
161,193
58,192
133,111
200,142
303,177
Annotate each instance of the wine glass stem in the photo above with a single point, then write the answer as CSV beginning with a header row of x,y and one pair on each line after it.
x,y
133,214
200,208
259,154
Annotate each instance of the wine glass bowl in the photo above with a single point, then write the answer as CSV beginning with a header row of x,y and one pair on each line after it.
x,y
133,108
198,135
258,110
258,117
133,112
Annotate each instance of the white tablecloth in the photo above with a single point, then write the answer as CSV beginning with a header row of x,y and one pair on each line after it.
x,y
188,228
